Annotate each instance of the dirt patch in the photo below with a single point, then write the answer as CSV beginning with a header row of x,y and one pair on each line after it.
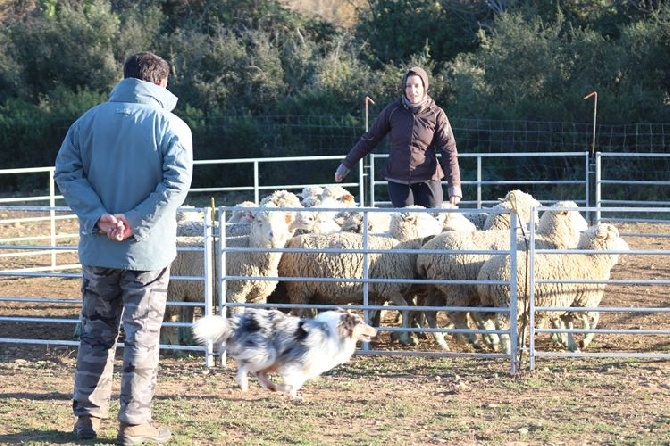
x,y
50,297
374,400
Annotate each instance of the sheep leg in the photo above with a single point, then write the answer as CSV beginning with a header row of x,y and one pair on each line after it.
x,y
485,322
502,323
403,336
559,338
460,320
431,319
185,333
568,323
433,297
572,344
375,317
417,320
595,317
170,335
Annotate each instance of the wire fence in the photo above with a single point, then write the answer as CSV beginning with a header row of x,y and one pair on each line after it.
x,y
58,305
39,243
335,135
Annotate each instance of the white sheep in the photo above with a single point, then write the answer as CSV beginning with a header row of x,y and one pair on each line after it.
x,y
378,222
189,262
455,221
310,221
561,267
310,195
339,194
270,228
557,228
282,198
241,215
239,222
519,201
334,193
590,318
322,221
190,222
409,229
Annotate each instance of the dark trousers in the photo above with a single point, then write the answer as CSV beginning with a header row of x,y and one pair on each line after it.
x,y
111,297
428,194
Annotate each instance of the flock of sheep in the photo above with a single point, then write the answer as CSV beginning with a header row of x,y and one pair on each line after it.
x,y
315,248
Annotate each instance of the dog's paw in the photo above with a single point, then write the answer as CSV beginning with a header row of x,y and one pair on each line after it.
x,y
297,399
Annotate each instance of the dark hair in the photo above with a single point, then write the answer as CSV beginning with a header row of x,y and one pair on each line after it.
x,y
146,66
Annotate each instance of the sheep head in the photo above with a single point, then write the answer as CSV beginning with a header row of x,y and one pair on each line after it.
x,y
271,228
603,236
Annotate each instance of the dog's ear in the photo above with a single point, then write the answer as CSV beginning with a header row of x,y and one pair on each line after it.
x,y
348,322
300,333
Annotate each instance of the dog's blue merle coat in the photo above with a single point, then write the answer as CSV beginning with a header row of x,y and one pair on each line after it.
x,y
269,341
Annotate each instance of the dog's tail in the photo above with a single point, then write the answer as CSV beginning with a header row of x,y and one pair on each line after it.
x,y
211,328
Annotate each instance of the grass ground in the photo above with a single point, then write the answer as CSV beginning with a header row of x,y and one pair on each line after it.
x,y
373,400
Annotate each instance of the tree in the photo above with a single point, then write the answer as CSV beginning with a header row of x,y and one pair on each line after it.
x,y
70,44
397,29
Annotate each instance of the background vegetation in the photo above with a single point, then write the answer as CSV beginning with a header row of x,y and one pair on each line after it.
x,y
270,78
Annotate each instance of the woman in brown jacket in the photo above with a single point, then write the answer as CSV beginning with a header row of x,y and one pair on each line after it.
x,y
419,130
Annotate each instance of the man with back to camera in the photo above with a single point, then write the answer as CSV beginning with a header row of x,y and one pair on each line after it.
x,y
124,168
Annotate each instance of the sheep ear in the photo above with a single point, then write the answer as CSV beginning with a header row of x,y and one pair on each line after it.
x,y
427,239
410,217
348,198
288,218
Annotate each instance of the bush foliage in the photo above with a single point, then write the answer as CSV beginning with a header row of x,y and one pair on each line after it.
x,y
244,69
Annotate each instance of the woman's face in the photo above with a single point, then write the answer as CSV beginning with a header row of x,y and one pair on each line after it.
x,y
414,89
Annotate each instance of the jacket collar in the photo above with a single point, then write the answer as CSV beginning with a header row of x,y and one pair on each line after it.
x,y
142,92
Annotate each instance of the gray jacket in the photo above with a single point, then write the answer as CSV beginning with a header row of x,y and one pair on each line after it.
x,y
132,156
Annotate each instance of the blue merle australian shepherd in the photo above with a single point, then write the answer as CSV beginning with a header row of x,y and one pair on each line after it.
x,y
266,342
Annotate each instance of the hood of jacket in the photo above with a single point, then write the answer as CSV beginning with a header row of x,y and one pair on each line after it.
x,y
142,92
419,72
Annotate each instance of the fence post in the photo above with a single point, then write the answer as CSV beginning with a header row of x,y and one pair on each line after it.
x,y
209,280
52,217
598,185
514,297
530,292
479,181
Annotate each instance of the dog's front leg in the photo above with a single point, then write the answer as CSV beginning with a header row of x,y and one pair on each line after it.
x,y
265,380
291,385
291,391
242,379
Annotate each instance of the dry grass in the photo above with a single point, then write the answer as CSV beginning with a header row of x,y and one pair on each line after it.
x,y
373,400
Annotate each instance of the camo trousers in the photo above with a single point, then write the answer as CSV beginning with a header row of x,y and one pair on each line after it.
x,y
112,296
